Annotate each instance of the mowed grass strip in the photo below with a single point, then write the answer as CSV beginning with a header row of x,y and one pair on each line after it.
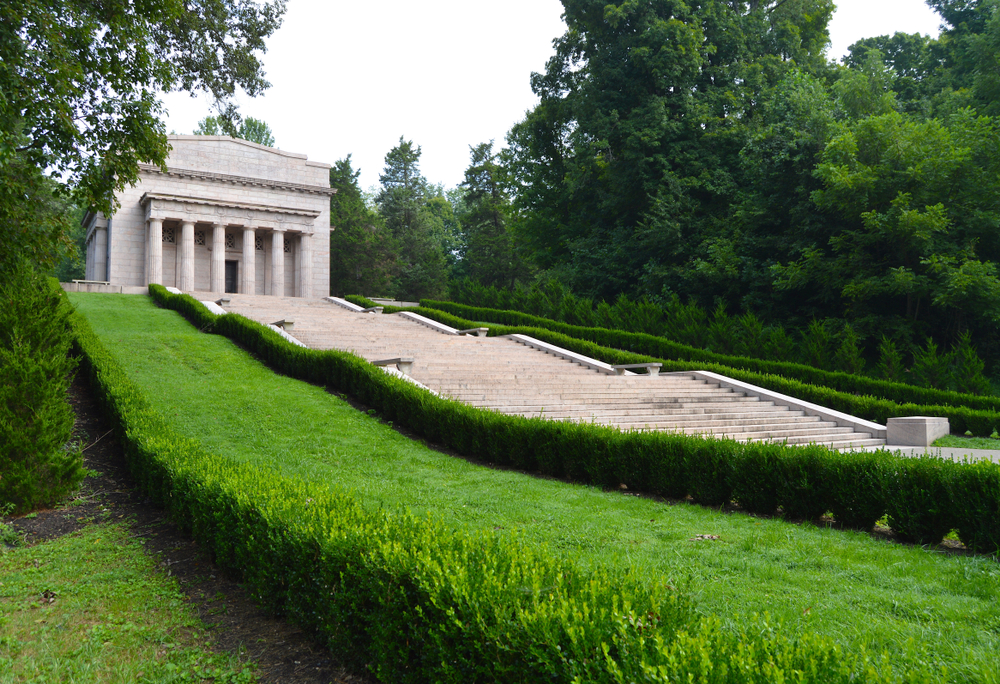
x,y
91,607
917,605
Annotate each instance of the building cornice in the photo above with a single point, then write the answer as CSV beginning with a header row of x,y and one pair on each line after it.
x,y
152,169
182,208
150,197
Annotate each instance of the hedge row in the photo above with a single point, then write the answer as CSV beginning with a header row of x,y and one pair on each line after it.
x,y
662,348
804,481
961,418
411,599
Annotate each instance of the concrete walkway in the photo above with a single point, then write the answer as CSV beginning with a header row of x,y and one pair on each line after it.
x,y
954,453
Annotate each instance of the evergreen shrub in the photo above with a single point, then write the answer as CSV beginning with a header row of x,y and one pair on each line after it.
x,y
743,336
802,482
918,498
755,478
38,465
856,487
975,491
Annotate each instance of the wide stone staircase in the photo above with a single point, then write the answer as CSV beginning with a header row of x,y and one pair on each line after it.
x,y
506,375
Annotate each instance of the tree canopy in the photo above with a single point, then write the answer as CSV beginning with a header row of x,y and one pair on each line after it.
x,y
248,128
80,78
709,150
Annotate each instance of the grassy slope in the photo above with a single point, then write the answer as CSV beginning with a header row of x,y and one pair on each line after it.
x,y
114,618
968,442
847,585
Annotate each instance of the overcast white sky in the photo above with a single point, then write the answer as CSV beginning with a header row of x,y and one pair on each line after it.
x,y
352,77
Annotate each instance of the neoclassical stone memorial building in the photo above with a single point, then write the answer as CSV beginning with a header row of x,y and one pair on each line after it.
x,y
227,216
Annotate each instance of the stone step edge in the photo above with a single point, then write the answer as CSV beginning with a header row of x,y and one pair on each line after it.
x,y
842,419
392,370
343,303
586,361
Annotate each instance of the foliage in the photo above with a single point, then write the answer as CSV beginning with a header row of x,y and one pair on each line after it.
x,y
248,128
35,217
917,491
645,328
931,369
629,163
890,361
974,489
79,80
403,203
965,412
73,264
362,252
736,165
488,254
306,431
857,488
38,464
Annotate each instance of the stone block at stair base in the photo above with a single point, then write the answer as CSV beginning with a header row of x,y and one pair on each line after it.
x,y
915,430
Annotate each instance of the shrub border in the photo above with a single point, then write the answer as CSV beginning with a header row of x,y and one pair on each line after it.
x,y
643,343
802,480
980,422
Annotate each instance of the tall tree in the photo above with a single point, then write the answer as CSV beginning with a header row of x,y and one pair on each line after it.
x,y
362,251
488,254
629,161
80,79
402,202
248,128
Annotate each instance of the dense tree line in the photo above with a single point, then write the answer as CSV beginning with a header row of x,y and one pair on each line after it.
x,y
410,236
710,151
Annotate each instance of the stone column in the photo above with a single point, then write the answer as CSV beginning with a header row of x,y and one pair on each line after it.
x,y
218,258
248,283
100,254
186,283
305,265
154,253
278,264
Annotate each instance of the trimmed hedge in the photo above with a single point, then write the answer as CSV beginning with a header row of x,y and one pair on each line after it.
x,y
414,600
660,347
804,481
980,422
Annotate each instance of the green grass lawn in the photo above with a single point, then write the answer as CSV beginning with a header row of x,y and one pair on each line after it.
x,y
915,604
968,442
91,607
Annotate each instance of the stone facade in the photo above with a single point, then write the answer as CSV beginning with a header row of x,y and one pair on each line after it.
x,y
227,216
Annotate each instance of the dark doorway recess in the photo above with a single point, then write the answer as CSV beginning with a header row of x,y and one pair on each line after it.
x,y
232,273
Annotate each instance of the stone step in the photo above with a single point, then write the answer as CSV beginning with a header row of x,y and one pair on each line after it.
x,y
693,420
505,375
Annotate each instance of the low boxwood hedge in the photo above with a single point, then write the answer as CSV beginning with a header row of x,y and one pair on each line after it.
x,y
416,601
804,481
980,422
660,347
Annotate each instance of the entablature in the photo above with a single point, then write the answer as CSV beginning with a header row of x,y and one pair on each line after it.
x,y
244,214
